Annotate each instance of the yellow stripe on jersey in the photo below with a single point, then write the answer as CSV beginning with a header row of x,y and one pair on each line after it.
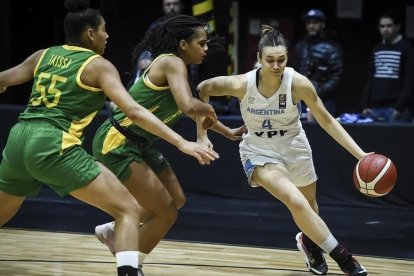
x,y
153,86
38,63
78,76
147,81
126,122
76,48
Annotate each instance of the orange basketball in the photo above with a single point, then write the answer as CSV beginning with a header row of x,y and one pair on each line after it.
x,y
375,175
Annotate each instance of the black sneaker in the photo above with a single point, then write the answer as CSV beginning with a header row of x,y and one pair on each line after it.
x,y
352,268
315,261
140,273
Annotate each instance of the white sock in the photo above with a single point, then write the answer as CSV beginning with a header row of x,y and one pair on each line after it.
x,y
329,244
142,257
127,258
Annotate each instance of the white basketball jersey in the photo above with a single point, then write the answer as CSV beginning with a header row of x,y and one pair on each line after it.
x,y
269,119
275,133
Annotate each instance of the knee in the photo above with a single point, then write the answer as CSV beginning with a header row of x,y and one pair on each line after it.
x,y
180,201
296,204
170,214
132,209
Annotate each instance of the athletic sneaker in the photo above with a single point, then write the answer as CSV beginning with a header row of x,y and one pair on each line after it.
x,y
315,261
140,273
352,268
106,235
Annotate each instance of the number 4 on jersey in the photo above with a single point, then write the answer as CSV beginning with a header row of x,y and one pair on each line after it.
x,y
266,124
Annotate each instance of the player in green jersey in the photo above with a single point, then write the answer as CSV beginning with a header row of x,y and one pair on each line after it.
x,y
44,147
127,150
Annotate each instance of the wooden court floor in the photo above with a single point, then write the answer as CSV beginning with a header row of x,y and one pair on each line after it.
x,y
27,252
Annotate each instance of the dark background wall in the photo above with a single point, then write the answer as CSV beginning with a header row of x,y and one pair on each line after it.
x,y
26,26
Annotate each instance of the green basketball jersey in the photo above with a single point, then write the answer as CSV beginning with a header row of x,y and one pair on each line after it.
x,y
159,100
58,94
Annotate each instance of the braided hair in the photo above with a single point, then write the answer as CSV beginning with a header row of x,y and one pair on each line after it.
x,y
165,37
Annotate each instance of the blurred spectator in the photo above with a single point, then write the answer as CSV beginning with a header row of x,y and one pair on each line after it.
x,y
387,93
170,8
319,58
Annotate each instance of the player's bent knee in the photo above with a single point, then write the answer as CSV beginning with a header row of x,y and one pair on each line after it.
x,y
180,201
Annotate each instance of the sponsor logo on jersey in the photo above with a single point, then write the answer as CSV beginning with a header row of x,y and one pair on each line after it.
x,y
251,100
282,101
265,111
271,133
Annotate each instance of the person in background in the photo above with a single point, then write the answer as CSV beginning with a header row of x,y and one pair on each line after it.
x,y
319,58
44,147
142,60
390,80
275,152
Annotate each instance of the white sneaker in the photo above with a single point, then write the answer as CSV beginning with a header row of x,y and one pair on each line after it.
x,y
106,235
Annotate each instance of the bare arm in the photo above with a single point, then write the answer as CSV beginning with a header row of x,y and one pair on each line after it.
x,y
106,76
20,73
302,89
224,86
221,86
177,78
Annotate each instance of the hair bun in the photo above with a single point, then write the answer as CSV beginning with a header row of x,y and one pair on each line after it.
x,y
76,5
266,28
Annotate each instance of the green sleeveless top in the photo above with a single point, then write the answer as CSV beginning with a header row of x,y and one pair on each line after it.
x,y
58,94
158,100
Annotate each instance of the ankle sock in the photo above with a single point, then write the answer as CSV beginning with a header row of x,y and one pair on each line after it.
x,y
142,257
127,258
329,244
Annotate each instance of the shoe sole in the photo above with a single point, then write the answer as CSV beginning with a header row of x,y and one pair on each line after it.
x,y
300,248
364,272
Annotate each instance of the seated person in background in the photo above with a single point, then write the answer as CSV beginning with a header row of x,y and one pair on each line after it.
x,y
387,93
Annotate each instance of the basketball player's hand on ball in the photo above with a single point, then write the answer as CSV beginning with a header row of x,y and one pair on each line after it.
x,y
366,154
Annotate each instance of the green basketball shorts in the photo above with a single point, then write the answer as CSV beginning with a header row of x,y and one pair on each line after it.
x,y
33,157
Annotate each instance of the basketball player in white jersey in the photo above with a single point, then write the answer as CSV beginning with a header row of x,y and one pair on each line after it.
x,y
275,152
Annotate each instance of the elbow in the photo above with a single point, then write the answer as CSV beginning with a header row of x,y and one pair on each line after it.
x,y
135,114
190,110
195,108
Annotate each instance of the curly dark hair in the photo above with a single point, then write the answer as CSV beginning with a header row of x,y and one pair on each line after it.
x,y
165,37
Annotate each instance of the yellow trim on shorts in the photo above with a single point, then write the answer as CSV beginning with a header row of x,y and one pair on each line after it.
x,y
74,133
113,139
